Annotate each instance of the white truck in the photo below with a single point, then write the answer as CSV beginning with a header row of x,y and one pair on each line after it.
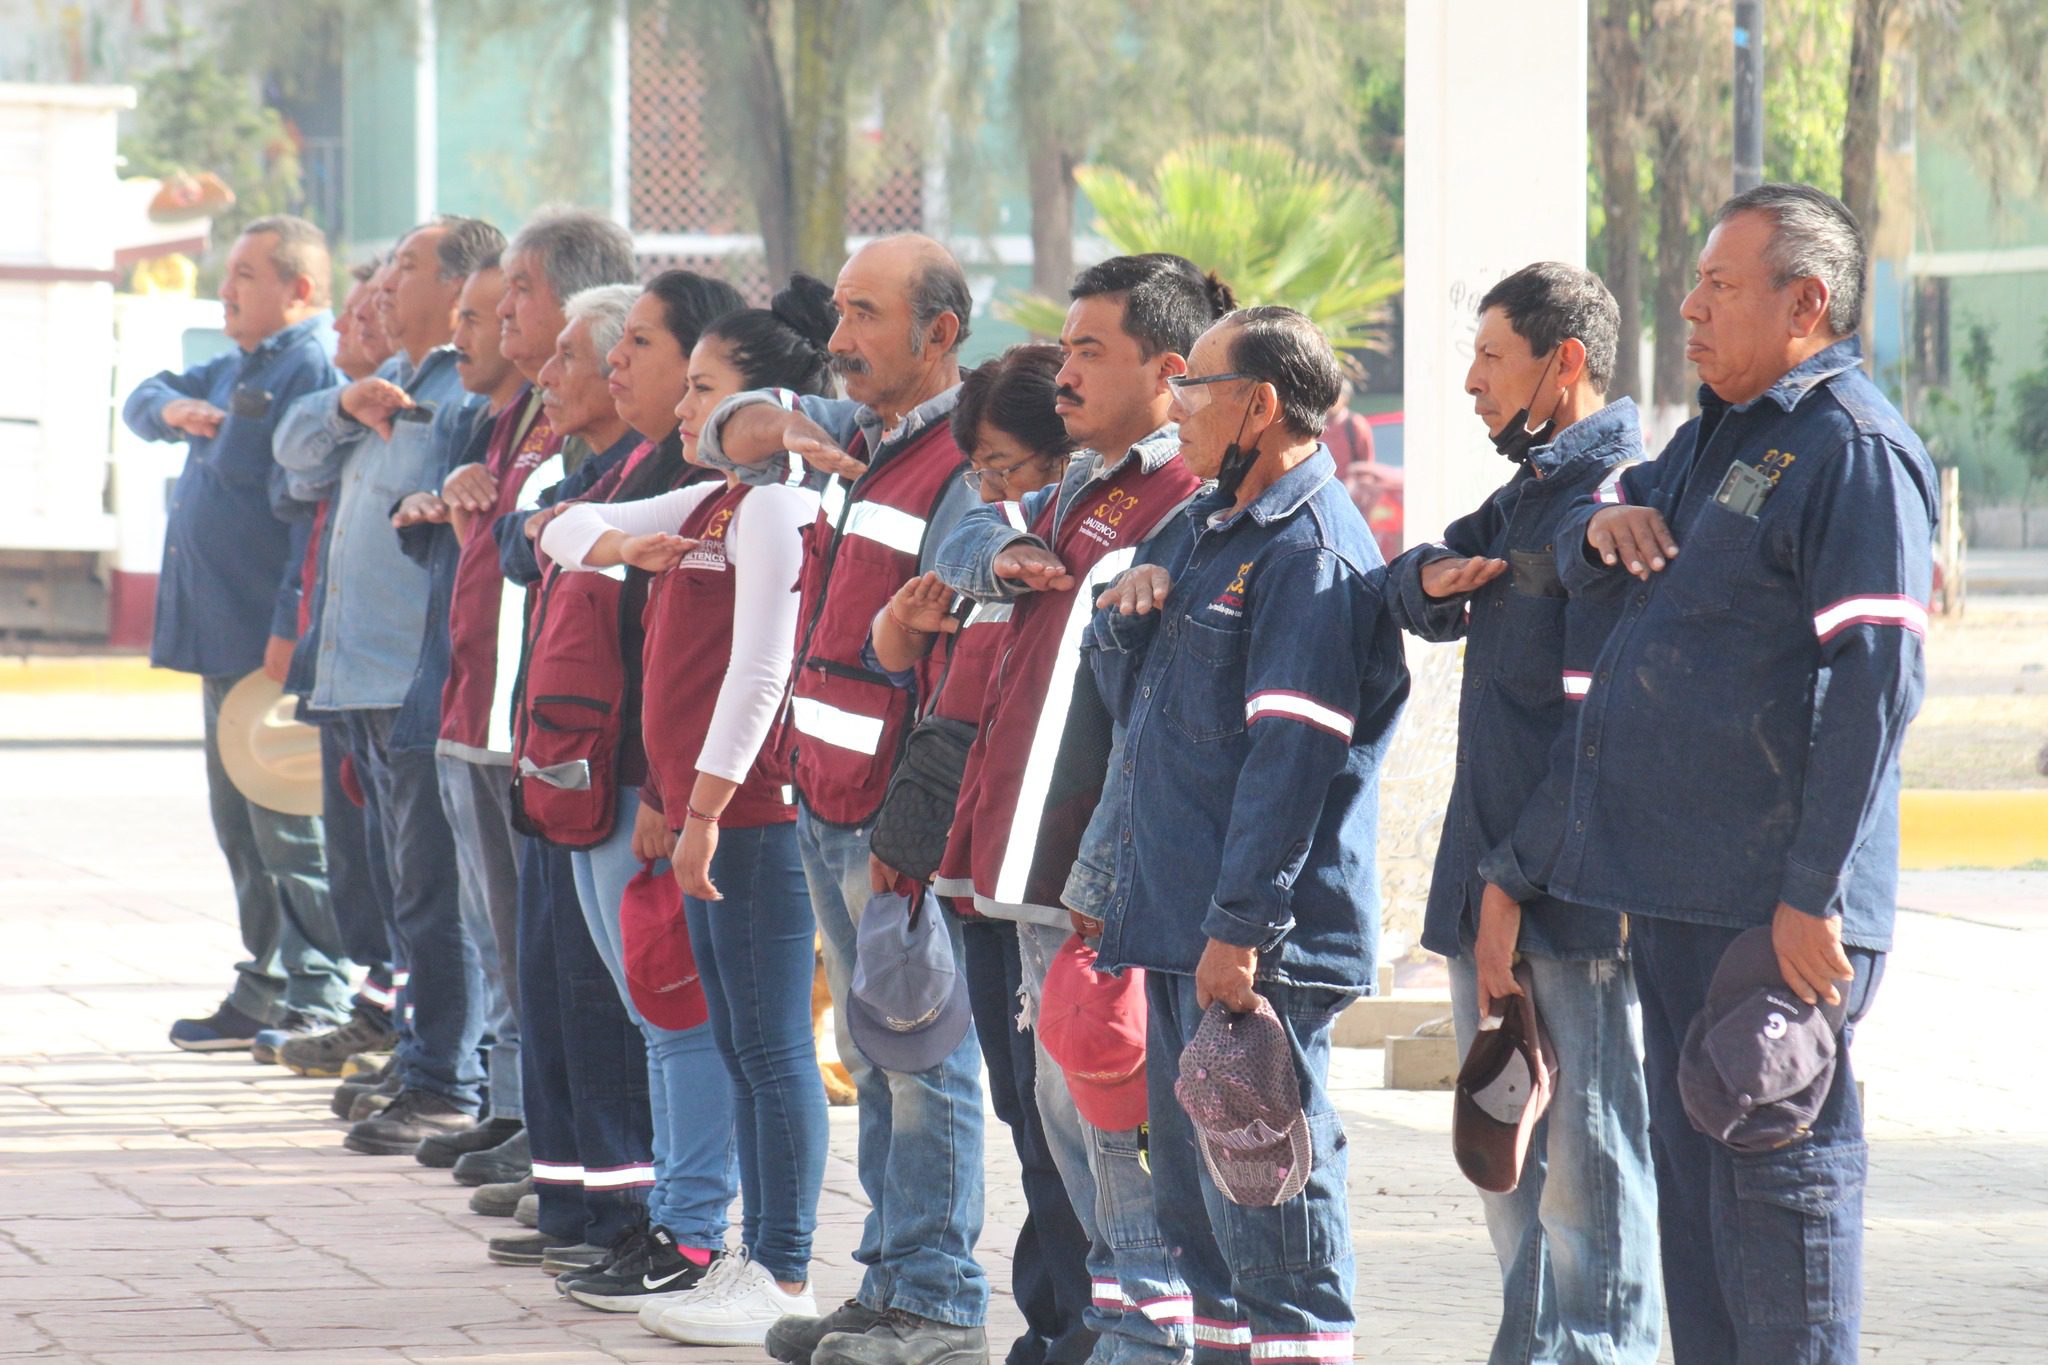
x,y
81,500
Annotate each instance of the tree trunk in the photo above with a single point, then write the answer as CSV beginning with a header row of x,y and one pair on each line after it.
x,y
1673,381
1861,124
1049,159
1616,104
817,109
768,138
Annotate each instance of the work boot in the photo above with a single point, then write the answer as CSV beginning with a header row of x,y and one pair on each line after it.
x,y
792,1339
445,1150
511,1159
902,1338
296,1024
405,1123
525,1248
348,1092
499,1201
527,1214
322,1054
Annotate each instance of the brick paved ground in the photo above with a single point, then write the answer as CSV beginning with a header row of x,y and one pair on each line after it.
x,y
157,1206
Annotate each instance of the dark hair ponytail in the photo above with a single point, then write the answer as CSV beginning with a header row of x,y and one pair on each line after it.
x,y
782,346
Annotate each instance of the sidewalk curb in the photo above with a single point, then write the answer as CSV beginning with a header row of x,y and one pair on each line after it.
x,y
1994,829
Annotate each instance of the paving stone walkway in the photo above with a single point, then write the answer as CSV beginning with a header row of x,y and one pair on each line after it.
x,y
162,1207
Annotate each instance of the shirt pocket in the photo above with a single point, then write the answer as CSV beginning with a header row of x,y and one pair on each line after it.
x,y
1714,560
1530,664
1205,690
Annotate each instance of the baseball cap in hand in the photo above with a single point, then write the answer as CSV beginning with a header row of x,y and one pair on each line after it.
x,y
1509,1076
1093,1027
661,970
1758,1061
908,1008
1238,1086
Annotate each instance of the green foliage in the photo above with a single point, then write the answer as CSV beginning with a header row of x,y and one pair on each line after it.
x,y
2029,424
196,112
1806,91
1277,227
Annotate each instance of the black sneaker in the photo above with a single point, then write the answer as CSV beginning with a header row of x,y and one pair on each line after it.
x,y
651,1265
409,1120
511,1159
441,1152
296,1024
499,1201
345,1094
794,1338
902,1338
227,1029
322,1054
525,1248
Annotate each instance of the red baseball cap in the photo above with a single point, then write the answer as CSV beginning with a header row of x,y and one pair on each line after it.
x,y
1093,1026
661,971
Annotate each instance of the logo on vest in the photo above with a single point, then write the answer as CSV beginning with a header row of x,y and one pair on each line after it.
x,y
1230,602
1100,525
709,551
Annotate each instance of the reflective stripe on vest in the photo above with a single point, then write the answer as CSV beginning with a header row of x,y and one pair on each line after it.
x,y
890,526
845,729
1022,846
512,616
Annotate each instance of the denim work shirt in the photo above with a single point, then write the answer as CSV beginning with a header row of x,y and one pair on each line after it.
x,y
1257,705
1529,646
461,435
1739,745
230,580
373,611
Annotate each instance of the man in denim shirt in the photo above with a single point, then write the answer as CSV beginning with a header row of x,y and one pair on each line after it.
x,y
228,601
373,442
1258,677
1737,759
1577,1237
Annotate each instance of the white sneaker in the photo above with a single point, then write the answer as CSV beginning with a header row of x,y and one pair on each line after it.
x,y
739,1313
729,1263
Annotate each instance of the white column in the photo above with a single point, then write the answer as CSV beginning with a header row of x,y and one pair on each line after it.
x,y
621,115
1496,178
426,117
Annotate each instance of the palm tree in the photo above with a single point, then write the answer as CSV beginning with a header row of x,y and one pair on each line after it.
x,y
1276,227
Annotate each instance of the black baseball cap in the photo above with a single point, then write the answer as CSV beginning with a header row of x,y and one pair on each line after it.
x,y
1758,1061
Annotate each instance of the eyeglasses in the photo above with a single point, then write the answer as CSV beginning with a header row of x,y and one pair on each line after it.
x,y
1191,390
973,477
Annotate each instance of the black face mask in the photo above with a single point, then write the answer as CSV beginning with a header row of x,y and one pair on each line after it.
x,y
1237,461
1516,439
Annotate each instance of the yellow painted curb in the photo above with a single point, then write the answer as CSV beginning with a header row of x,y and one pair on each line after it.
x,y
1972,828
104,674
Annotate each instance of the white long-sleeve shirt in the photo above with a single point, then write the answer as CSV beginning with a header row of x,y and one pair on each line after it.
x,y
764,545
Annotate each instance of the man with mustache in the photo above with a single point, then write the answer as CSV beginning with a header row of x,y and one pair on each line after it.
x,y
903,313
1039,762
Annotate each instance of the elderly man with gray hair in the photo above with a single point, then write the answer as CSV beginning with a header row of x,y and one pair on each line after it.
x,y
367,443
1736,772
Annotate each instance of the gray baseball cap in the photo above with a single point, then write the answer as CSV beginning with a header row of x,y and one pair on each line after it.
x,y
908,1008
1238,1086
1758,1061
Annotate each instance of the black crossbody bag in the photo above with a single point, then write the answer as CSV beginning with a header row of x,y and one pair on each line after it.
x,y
916,816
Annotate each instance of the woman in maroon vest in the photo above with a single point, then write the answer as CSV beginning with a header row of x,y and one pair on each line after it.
x,y
721,627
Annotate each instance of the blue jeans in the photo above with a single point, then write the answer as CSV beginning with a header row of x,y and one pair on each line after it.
x,y
920,1133
689,1096
1763,1251
477,799
754,954
1277,1279
296,960
444,982
583,1064
1049,1268
1577,1238
358,882
1139,1304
